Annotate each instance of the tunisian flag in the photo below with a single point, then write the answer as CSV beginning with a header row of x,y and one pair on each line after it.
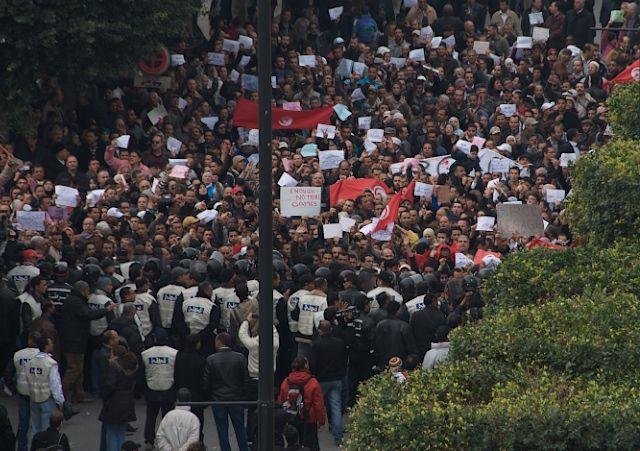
x,y
246,115
630,74
350,189
390,212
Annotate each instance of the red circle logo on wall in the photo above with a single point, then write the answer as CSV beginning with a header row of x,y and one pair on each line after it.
x,y
156,62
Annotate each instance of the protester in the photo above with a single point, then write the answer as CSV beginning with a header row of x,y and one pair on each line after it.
x,y
134,208
52,438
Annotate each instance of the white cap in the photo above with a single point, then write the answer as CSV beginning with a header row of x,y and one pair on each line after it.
x,y
396,141
505,147
421,78
114,213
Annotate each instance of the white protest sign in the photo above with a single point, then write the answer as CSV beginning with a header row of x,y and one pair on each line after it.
x,y
177,60
174,145
423,190
438,165
182,103
249,82
500,165
524,42
234,75
399,62
31,220
464,146
66,196
331,231
359,68
364,123
417,55
435,42
375,135
210,121
357,95
156,114
231,46
462,261
93,197
536,18
450,41
335,13
330,159
217,59
287,180
254,137
508,109
555,195
426,32
566,158
344,68
302,201
244,60
481,47
326,131
369,146
540,34
409,3
207,216
347,223
246,41
123,141
485,223
307,60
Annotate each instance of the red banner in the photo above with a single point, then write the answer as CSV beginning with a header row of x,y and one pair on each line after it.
x,y
246,115
630,74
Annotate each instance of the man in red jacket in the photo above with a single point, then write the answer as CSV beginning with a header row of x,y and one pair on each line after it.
x,y
314,412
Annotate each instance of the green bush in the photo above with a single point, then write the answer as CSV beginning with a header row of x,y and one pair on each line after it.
x,y
624,111
605,205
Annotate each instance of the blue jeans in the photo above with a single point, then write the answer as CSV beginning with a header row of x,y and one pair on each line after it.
x,y
116,435
40,413
221,415
24,417
332,392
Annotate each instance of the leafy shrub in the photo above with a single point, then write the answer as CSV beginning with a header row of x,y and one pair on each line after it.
x,y
531,277
624,111
605,205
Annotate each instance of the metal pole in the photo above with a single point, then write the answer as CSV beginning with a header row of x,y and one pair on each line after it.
x,y
265,230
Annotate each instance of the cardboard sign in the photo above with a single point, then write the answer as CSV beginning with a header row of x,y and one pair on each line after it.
x,y
485,223
66,197
304,201
423,190
522,220
331,231
481,47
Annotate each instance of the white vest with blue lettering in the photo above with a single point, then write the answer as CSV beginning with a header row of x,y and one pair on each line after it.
x,y
159,364
197,312
415,304
38,370
228,301
142,303
167,298
97,301
21,360
312,306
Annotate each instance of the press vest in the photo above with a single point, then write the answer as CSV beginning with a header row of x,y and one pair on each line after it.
x,y
38,370
197,312
21,360
97,301
395,296
159,364
36,309
167,298
21,275
415,305
227,300
292,303
312,306
142,304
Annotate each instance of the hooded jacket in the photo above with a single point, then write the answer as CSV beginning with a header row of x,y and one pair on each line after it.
x,y
118,402
313,399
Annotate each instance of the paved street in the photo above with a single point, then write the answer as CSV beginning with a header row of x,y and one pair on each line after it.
x,y
83,429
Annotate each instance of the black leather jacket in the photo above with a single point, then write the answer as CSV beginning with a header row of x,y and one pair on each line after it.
x,y
225,376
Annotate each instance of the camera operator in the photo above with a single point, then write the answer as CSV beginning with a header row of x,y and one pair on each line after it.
x,y
472,298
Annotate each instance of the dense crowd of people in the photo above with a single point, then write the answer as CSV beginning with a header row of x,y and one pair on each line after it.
x,y
130,214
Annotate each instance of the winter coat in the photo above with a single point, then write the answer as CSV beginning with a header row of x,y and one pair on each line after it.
x,y
313,399
75,322
118,402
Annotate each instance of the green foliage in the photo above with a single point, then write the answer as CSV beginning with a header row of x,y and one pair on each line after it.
x,y
624,110
605,205
80,41
532,277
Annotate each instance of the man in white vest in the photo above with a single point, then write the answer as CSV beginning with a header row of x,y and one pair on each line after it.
x,y
201,315
45,387
159,369
99,299
22,274
225,296
16,380
169,295
312,306
147,309
31,304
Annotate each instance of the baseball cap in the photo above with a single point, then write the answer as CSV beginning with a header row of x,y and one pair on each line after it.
x,y
237,189
495,130
421,78
189,220
30,254
338,41
283,145
530,121
114,213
